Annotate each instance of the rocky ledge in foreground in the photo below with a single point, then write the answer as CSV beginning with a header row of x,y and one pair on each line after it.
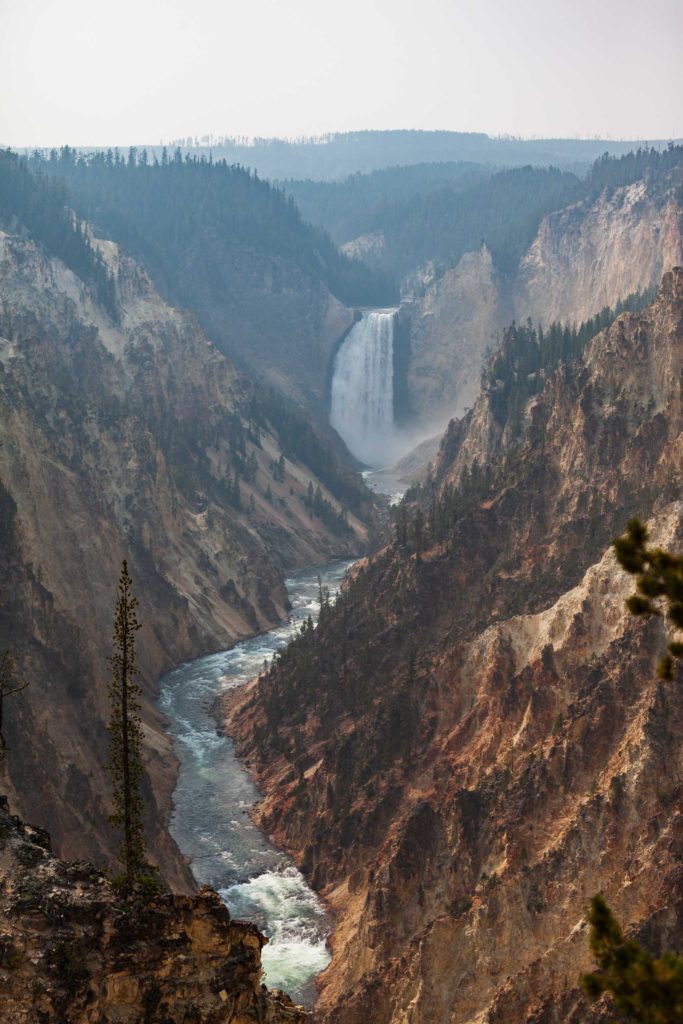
x,y
73,951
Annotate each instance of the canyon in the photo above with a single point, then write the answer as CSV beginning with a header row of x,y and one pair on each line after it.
x,y
475,740
590,255
133,438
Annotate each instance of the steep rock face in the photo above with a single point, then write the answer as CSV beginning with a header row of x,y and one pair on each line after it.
x,y
72,951
451,328
582,259
123,441
476,740
592,254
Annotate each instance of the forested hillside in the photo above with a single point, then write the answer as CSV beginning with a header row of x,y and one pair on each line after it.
x,y
270,290
613,233
357,204
159,209
439,212
38,203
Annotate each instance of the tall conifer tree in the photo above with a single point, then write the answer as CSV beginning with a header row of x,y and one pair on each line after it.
x,y
125,731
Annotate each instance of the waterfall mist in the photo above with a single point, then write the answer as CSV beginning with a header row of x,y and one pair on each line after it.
x,y
362,406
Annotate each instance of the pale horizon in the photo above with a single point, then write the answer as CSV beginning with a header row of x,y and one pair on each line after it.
x,y
151,72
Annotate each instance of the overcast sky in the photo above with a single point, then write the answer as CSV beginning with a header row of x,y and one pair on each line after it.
x,y
139,71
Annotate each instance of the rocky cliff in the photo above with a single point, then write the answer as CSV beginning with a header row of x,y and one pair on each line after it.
x,y
475,739
583,258
74,951
134,439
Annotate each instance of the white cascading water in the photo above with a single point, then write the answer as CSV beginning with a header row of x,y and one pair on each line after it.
x,y
362,400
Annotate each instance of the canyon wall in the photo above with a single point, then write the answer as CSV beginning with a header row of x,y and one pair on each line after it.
x,y
272,319
134,439
73,949
475,740
583,258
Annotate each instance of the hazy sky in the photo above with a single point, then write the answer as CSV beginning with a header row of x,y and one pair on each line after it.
x,y
136,71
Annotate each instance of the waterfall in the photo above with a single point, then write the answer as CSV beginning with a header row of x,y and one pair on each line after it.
x,y
362,406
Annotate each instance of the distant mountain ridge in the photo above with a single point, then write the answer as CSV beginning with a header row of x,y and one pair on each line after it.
x,y
336,155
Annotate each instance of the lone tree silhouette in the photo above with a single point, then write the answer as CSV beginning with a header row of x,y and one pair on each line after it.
x,y
125,733
9,685
659,583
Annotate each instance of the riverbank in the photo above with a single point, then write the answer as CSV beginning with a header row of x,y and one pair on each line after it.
x,y
214,795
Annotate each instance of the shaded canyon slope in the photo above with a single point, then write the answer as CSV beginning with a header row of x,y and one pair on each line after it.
x,y
272,292
475,741
73,949
589,255
124,439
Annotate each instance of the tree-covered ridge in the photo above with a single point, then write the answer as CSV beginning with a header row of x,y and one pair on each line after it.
x,y
503,212
441,211
300,442
334,156
40,205
659,165
347,207
516,372
164,210
528,355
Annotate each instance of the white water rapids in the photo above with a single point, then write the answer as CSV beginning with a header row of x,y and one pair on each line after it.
x,y
210,821
362,394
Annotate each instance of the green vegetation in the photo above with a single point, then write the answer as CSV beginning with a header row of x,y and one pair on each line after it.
x,y
125,734
10,685
647,989
39,204
503,211
441,211
178,212
656,165
528,355
319,506
348,208
659,584
300,442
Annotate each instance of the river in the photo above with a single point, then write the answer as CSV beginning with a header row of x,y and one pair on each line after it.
x,y
210,821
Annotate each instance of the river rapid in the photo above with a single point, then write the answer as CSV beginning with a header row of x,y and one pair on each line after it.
x,y
213,796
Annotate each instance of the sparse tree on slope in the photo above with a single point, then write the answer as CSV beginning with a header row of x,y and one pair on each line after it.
x,y
659,583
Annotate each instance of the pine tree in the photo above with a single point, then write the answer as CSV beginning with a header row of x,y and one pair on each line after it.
x,y
646,988
659,582
9,685
125,732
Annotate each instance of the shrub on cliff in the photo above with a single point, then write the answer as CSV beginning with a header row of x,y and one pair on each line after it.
x,y
659,584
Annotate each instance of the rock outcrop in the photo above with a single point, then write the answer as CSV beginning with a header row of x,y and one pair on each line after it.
x,y
127,440
452,326
75,951
583,258
475,740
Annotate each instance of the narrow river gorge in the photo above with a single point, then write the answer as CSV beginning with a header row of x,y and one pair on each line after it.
x,y
214,794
